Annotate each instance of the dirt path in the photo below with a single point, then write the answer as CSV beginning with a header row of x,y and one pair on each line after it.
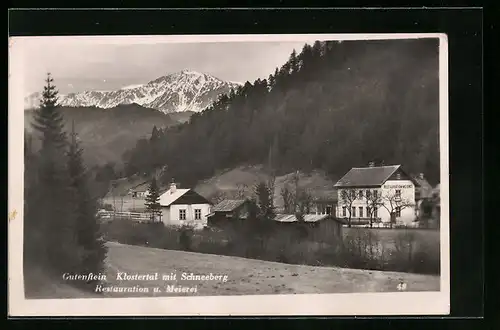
x,y
244,276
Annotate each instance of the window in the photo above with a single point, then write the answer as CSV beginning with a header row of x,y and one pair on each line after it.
x,y
375,212
360,211
360,194
328,210
368,194
353,212
375,193
368,211
398,176
398,211
398,194
197,214
182,214
344,210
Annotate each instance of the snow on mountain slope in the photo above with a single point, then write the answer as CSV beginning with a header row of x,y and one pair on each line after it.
x,y
32,101
178,92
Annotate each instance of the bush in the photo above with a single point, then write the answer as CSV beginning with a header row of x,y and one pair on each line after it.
x,y
364,249
185,235
360,248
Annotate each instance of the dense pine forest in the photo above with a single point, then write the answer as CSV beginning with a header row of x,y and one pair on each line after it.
x,y
332,106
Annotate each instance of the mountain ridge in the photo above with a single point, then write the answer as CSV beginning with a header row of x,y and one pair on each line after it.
x,y
106,134
181,91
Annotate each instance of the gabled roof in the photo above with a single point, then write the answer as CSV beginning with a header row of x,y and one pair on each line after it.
x,y
144,186
168,197
228,205
367,176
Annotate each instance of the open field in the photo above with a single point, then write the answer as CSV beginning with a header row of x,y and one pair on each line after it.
x,y
249,276
244,276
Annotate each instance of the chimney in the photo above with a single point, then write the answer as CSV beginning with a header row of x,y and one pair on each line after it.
x,y
421,176
371,164
173,187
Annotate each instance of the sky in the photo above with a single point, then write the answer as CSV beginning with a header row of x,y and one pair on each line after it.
x,y
79,66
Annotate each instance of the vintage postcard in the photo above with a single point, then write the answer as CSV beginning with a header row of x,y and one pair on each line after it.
x,y
228,175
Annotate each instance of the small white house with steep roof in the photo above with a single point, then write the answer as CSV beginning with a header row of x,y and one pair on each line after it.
x,y
184,207
378,194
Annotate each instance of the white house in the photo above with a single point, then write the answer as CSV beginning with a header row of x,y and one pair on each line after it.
x,y
183,207
139,191
374,192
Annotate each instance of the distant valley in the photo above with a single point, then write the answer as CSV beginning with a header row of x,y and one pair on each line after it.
x,y
106,134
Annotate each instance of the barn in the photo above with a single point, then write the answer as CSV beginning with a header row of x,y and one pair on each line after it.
x,y
230,210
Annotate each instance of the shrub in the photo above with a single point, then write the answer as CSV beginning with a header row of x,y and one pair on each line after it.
x,y
362,248
185,235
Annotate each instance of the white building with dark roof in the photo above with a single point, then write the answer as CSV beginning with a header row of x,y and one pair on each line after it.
x,y
374,193
184,207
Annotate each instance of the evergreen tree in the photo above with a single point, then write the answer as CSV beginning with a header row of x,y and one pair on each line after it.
x,y
155,134
32,237
87,228
294,62
271,81
265,203
53,221
153,200
315,117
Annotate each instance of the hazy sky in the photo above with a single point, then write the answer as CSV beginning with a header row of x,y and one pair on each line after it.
x,y
85,66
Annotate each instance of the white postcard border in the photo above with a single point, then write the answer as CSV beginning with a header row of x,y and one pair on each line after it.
x,y
398,303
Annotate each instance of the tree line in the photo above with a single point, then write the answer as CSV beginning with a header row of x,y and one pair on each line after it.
x,y
332,106
61,229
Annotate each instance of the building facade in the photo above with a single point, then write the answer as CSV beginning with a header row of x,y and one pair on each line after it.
x,y
322,227
230,210
139,191
324,206
184,207
377,195
423,197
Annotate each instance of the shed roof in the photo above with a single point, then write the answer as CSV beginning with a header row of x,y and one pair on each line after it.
x,y
228,205
367,176
307,217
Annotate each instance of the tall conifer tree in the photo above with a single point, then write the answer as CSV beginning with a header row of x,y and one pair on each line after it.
x,y
54,225
153,200
87,228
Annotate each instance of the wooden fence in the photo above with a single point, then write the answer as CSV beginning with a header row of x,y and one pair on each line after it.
x,y
132,216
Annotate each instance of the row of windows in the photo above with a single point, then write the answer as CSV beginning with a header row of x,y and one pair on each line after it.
x,y
368,194
361,209
197,214
368,209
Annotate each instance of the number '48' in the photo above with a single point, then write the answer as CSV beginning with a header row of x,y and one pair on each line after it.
x,y
401,286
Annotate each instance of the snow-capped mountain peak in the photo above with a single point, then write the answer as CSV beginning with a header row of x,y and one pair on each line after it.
x,y
186,90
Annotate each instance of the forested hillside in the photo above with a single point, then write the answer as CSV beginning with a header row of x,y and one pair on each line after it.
x,y
332,106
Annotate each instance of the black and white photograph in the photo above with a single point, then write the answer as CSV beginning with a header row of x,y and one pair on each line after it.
x,y
208,174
